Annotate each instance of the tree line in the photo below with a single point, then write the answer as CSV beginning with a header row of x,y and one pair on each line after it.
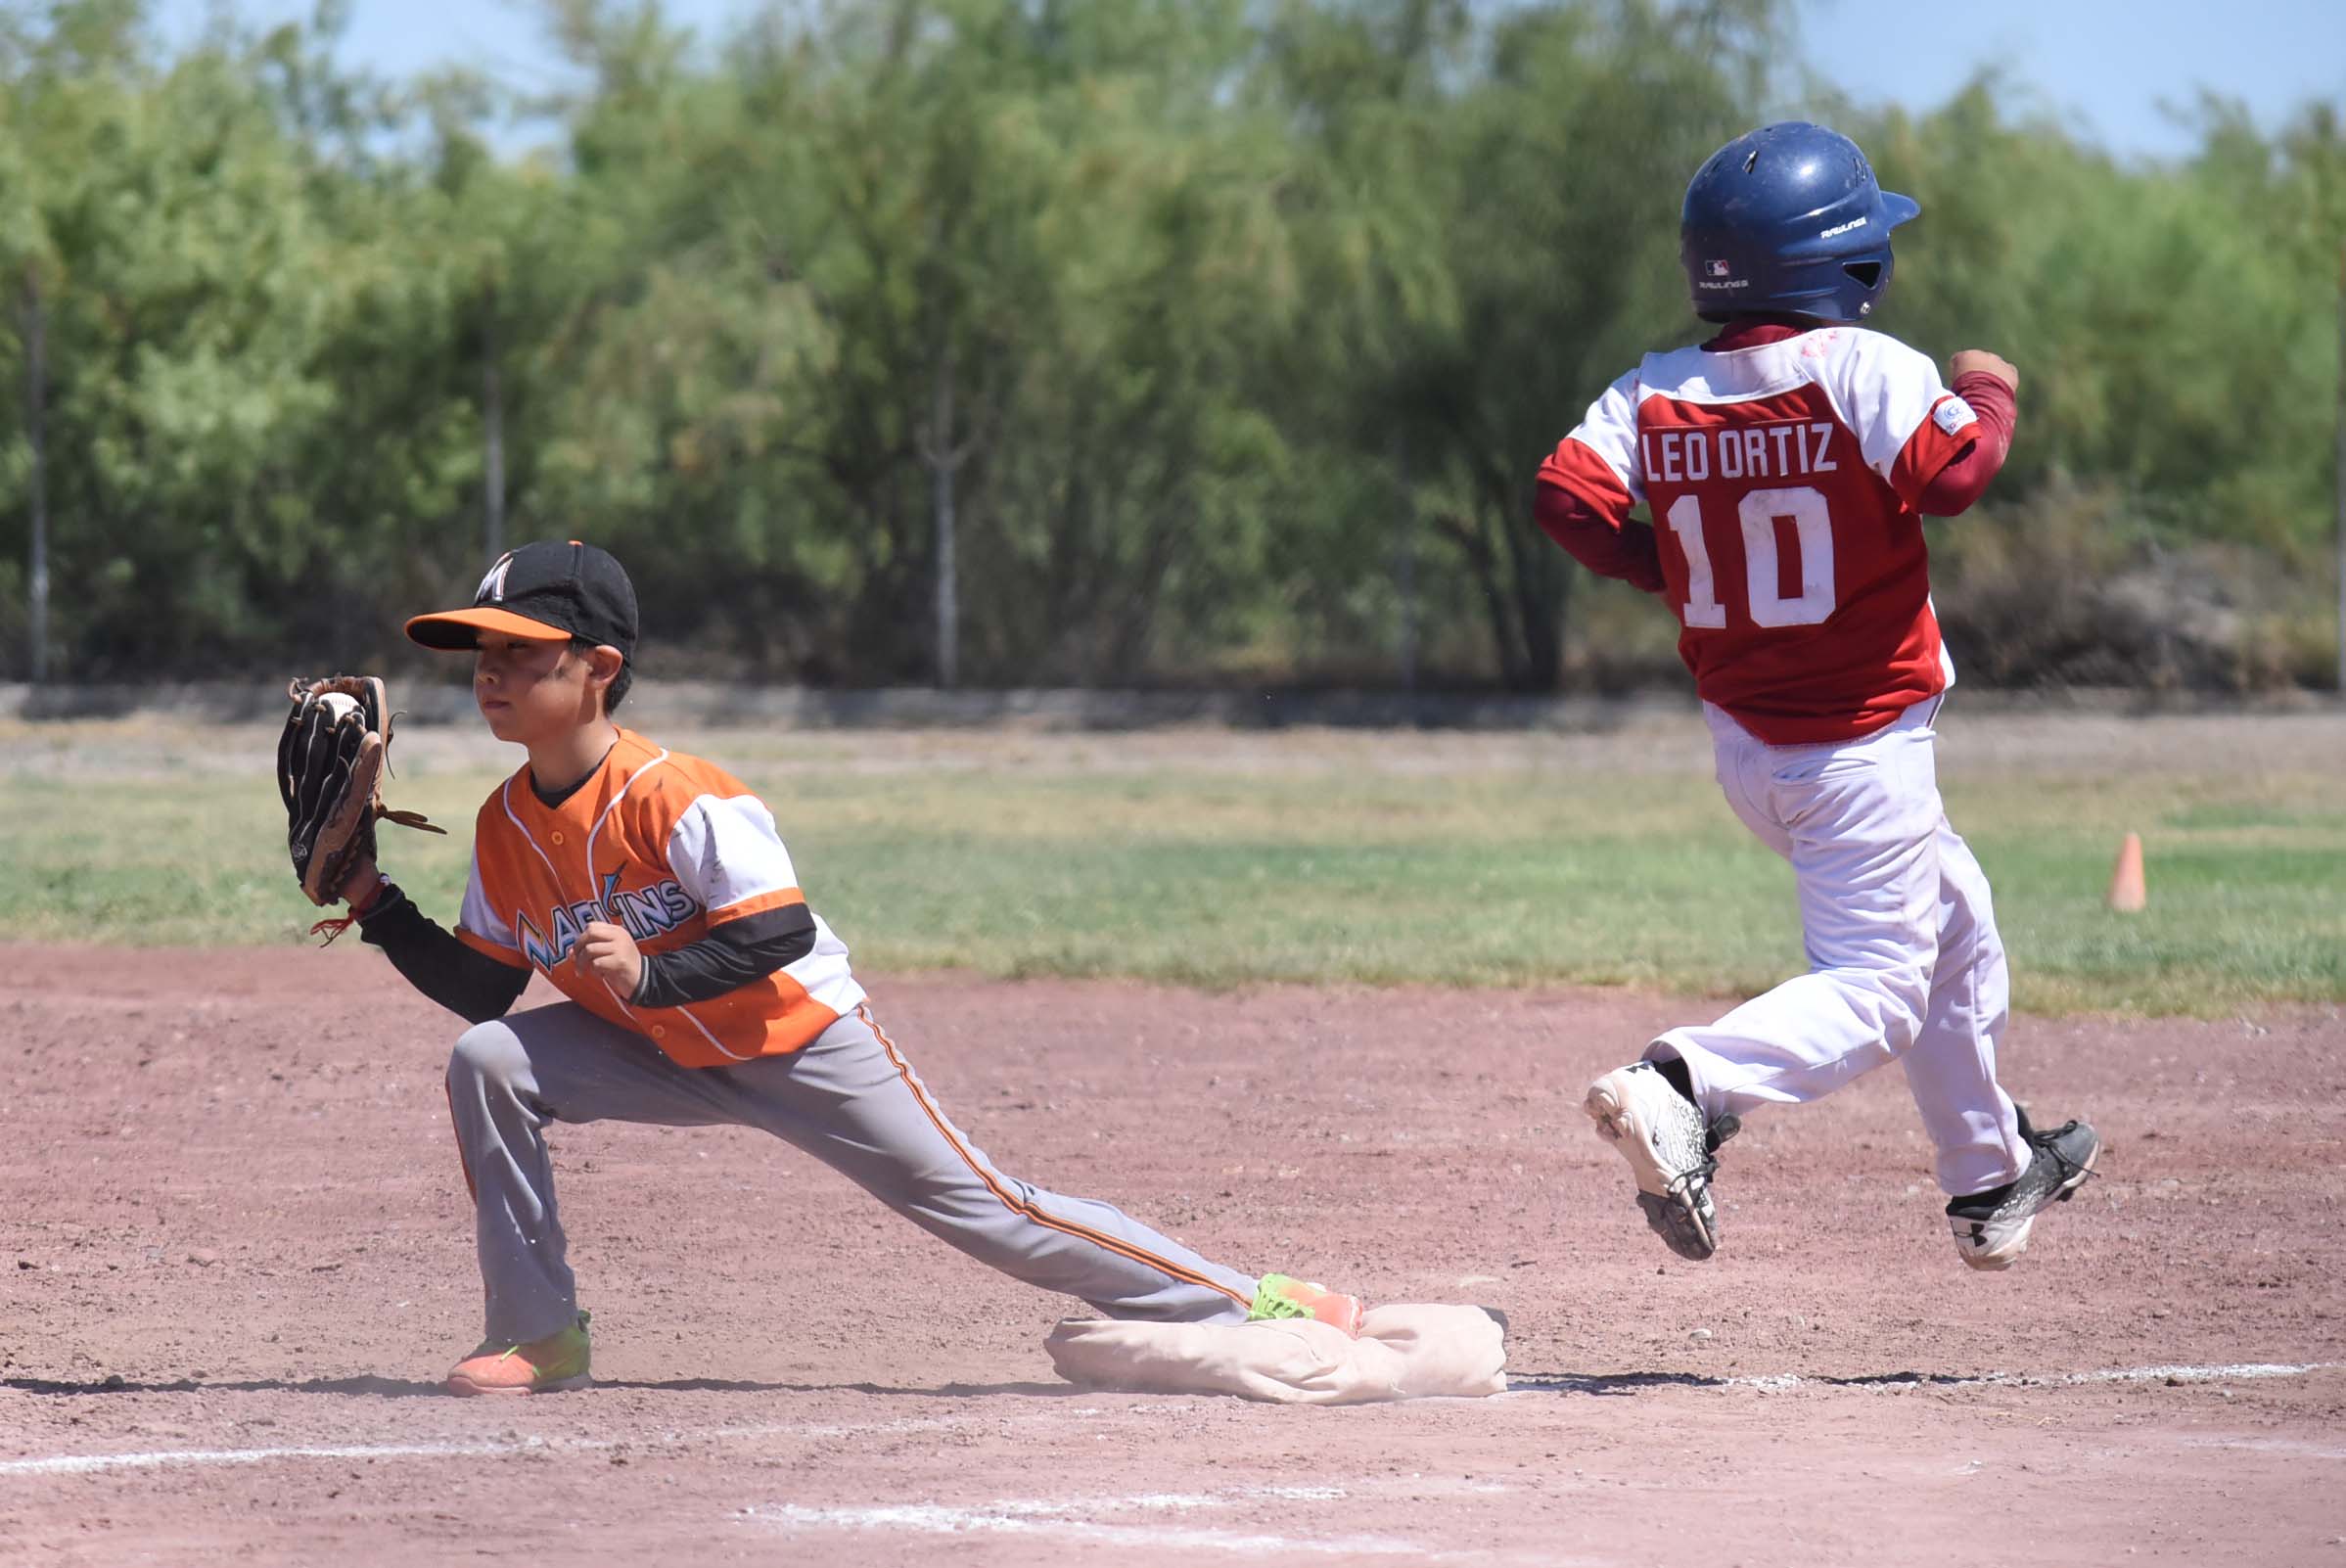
x,y
1035,341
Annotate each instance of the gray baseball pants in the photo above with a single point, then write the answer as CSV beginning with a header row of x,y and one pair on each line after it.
x,y
848,1098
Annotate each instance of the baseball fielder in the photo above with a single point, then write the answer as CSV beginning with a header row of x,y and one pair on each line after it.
x,y
1788,463
654,890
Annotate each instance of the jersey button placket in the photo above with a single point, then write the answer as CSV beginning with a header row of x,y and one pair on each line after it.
x,y
558,838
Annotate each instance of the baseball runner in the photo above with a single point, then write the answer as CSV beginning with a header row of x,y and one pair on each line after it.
x,y
1788,463
654,890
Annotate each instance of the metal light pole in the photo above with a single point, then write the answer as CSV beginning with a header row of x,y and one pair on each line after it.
x,y
1406,565
493,439
36,398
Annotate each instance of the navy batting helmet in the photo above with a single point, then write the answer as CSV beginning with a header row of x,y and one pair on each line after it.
x,y
1788,218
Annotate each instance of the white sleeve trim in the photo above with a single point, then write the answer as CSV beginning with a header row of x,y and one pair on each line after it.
x,y
1610,430
478,917
725,849
1882,390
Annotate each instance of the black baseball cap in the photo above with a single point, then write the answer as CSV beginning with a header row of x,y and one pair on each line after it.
x,y
549,591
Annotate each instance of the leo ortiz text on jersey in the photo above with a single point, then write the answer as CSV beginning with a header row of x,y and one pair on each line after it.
x,y
1778,451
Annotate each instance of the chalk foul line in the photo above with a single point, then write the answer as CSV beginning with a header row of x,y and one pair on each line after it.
x,y
1779,1382
171,1459
180,1458
1077,1519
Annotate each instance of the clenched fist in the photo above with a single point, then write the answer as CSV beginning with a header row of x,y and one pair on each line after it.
x,y
1996,366
607,952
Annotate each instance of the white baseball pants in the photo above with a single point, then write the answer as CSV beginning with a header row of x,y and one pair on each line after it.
x,y
1904,962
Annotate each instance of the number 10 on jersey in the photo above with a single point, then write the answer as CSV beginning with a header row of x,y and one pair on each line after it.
x,y
1812,533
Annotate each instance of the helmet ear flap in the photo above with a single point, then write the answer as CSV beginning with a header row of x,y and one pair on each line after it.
x,y
1871,278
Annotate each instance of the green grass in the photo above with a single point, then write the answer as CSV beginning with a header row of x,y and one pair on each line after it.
x,y
1318,870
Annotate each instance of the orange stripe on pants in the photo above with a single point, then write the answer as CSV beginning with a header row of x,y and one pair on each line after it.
x,y
1024,1210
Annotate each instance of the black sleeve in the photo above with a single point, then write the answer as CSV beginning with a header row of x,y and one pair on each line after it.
x,y
464,980
730,956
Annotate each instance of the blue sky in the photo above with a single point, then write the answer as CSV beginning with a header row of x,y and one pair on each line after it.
x,y
2104,66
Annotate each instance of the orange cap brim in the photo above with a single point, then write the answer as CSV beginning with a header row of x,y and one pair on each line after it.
x,y
459,631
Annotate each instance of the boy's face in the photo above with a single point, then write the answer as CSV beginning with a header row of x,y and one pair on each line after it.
x,y
533,691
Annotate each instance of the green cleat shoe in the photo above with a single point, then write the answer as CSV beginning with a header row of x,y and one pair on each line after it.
x,y
1279,1296
541,1366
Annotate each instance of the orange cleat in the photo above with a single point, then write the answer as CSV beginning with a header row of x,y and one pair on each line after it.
x,y
1281,1295
541,1366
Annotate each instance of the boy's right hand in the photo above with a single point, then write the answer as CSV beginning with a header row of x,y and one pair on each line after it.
x,y
1972,359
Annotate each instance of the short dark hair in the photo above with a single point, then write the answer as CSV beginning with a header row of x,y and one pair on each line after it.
x,y
616,692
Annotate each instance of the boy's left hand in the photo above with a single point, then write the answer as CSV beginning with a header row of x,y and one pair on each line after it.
x,y
608,952
1981,359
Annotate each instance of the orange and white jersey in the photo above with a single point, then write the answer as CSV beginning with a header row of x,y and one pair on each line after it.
x,y
667,847
1783,481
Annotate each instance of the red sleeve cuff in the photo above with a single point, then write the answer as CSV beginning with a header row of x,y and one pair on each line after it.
x,y
1576,468
1610,548
1964,479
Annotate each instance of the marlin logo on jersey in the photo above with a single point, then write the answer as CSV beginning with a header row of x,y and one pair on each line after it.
x,y
645,913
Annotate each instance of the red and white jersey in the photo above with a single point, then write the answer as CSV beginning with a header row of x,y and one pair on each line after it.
x,y
1782,479
667,846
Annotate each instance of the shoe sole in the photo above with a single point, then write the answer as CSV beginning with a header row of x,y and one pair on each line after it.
x,y
2001,1258
561,1385
1671,1215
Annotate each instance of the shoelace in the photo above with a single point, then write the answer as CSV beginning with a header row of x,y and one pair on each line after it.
x,y
1720,1128
1271,1307
2049,1142
511,1351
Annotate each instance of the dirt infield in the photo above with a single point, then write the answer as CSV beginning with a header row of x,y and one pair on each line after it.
x,y
235,1255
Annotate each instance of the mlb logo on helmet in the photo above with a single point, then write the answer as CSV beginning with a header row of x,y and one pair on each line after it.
x,y
1719,269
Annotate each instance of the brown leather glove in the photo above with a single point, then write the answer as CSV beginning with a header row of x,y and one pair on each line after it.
x,y
330,764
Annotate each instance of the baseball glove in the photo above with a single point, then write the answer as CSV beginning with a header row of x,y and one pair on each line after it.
x,y
329,766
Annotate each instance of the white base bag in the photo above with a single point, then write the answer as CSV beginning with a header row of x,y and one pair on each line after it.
x,y
1404,1352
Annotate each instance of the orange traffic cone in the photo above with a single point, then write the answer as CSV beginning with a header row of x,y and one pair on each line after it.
x,y
2127,893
